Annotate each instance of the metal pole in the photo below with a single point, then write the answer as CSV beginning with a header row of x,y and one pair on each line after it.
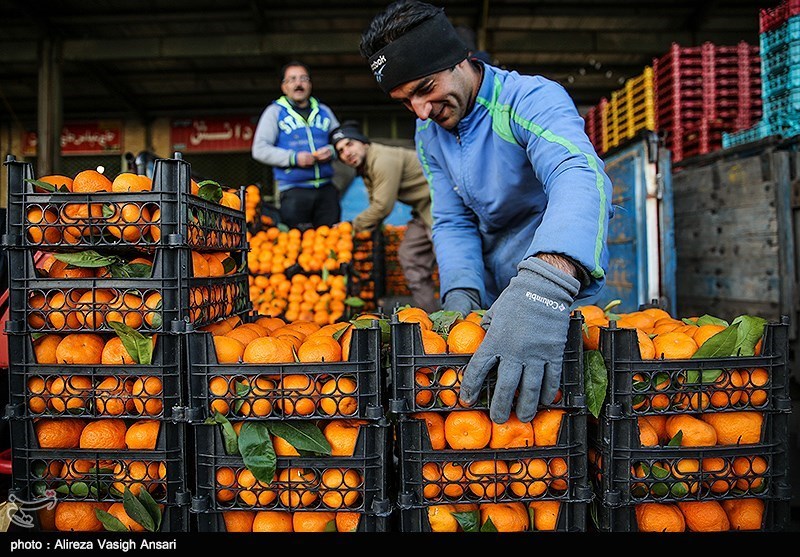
x,y
50,108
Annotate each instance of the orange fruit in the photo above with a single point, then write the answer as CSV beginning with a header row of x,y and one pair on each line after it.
x,y
704,516
431,478
750,470
441,519
143,435
282,447
272,521
434,422
736,428
415,315
591,312
80,348
657,517
529,473
298,395
56,180
659,424
512,434
453,479
238,521
79,516
347,521
674,346
558,473
320,349
104,434
487,478
545,514
719,474
297,487
647,349
114,353
117,510
342,436
90,181
465,338
69,393
546,426
340,487
433,343
450,386
696,433
422,382
267,350
146,393
756,377
506,517
705,332
648,437
470,429
744,514
314,521
44,348
58,433
229,350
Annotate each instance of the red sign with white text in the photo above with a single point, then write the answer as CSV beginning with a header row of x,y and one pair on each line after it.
x,y
84,138
217,134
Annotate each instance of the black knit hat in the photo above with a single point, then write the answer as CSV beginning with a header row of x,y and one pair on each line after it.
x,y
348,130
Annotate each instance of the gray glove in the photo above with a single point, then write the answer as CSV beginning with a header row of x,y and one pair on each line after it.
x,y
525,340
462,299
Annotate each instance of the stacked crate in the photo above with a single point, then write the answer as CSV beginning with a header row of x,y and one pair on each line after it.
x,y
631,109
396,284
366,279
539,486
780,75
92,414
318,429
704,91
597,126
645,481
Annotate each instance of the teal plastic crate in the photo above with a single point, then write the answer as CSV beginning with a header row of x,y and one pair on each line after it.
x,y
784,57
777,84
777,38
783,113
750,135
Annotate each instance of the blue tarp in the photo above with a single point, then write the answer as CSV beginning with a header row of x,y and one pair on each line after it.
x,y
355,200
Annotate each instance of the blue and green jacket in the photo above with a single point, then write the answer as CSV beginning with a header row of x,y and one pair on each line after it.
x,y
282,132
518,176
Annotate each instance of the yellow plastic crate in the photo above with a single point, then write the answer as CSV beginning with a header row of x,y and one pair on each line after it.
x,y
632,109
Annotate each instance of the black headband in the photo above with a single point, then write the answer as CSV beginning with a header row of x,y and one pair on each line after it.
x,y
430,47
347,131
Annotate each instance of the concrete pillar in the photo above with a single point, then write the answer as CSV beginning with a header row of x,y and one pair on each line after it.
x,y
50,107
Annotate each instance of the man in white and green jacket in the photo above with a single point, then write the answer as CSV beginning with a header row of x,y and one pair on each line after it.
x,y
292,137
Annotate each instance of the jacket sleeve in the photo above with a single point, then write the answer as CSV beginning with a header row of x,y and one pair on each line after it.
x,y
456,239
333,126
385,176
575,221
264,149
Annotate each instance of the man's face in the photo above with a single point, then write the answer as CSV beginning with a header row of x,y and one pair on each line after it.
x,y
443,97
351,152
296,84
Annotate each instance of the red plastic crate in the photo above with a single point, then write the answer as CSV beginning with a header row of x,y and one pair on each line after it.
x,y
772,18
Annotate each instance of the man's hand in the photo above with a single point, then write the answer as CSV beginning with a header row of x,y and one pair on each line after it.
x,y
304,159
323,155
462,299
525,341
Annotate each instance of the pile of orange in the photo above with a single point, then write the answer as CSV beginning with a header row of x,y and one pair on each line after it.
x,y
79,516
269,340
505,517
283,521
472,430
83,394
301,298
325,487
273,251
363,268
701,516
252,202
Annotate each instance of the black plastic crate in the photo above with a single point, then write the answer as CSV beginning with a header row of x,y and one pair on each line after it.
x,y
95,474
215,521
649,387
367,272
336,390
162,302
623,473
174,518
488,475
155,391
571,518
363,475
63,221
623,519
408,357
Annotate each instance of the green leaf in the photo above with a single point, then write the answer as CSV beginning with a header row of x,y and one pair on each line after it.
x,y
676,439
325,274
711,320
689,321
210,191
139,347
612,317
229,264
488,526
679,490
659,489
151,506
229,436
89,259
362,323
443,320
611,305
282,227
41,184
62,489
110,523
242,390
137,511
304,436
338,334
36,336
257,451
354,302
659,472
135,270
38,489
79,489
469,521
751,329
330,526
109,210
720,345
595,378
531,517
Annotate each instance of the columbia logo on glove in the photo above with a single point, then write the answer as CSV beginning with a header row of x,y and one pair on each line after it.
x,y
546,301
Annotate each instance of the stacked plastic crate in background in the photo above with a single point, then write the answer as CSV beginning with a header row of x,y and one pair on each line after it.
x,y
396,285
780,74
367,276
631,109
103,284
697,444
459,471
597,126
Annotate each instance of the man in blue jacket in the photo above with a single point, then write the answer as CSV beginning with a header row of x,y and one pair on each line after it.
x,y
520,199
292,137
